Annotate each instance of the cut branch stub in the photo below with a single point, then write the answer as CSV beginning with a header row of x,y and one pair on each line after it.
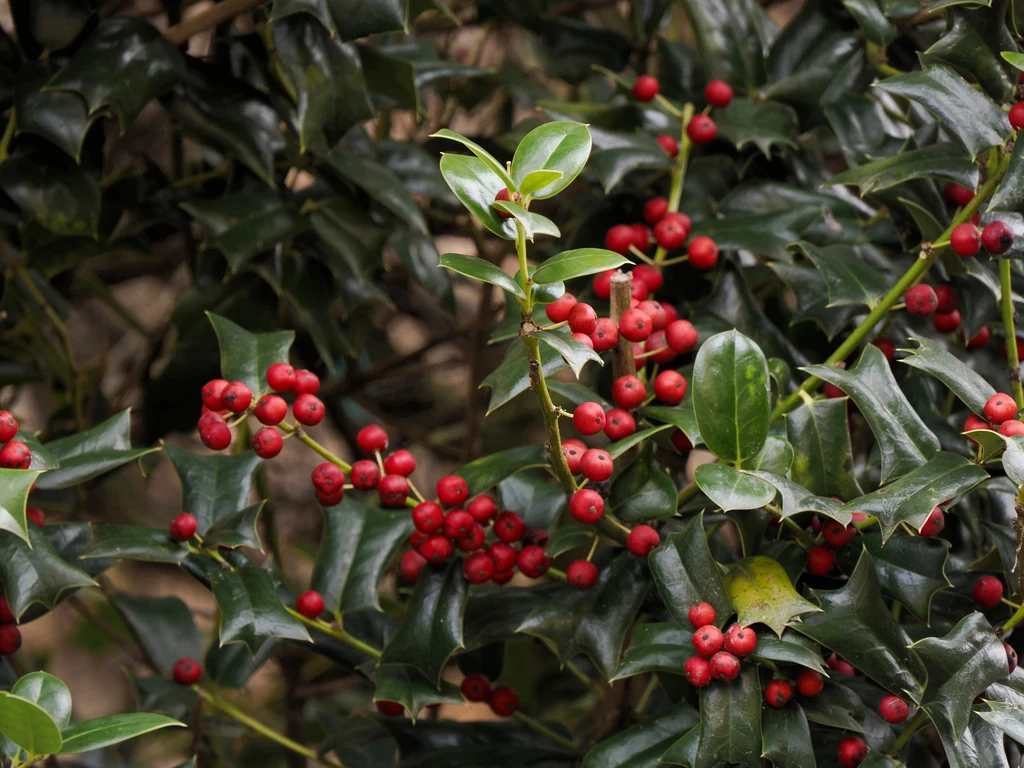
x,y
621,298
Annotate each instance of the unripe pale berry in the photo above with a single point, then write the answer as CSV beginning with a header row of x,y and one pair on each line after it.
x,y
401,462
701,615
267,442
8,426
619,424
533,562
1011,427
588,418
852,751
581,574
740,641
718,93
558,310
894,709
187,671
586,506
372,439
476,687
996,238
1000,407
946,322
668,143
778,693
436,549
307,409
645,88
482,508
503,556
281,377
628,392
681,336
641,540
478,568
582,318
365,475
618,239
697,671
605,335
635,325
965,240
655,209
236,397
393,490
703,252
306,383
458,523
412,565
573,451
988,591
452,490
183,527
271,410
670,387
596,465
809,683
920,300
212,392
509,527
934,524
701,129
820,560
504,701
725,667
310,604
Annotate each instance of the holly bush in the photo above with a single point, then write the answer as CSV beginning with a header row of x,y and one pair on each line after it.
x,y
739,280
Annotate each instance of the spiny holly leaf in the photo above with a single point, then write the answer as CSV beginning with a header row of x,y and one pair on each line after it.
x,y
250,610
731,489
54,191
812,298
836,707
980,746
134,542
791,648
486,472
147,66
850,279
539,502
764,233
642,745
432,629
960,666
594,621
731,40
820,435
776,456
493,617
163,626
937,161
903,438
575,353
34,572
762,123
626,153
855,623
787,737
762,593
237,530
413,691
1007,717
380,184
512,376
58,116
15,485
661,647
912,498
870,18
643,491
967,385
797,499
685,574
246,356
730,723
973,43
356,546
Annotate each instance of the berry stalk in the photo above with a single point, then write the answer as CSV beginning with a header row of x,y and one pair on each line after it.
x,y
1012,358
543,730
678,172
337,634
916,722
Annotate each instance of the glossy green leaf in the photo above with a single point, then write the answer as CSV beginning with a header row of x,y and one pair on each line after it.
x,y
642,745
762,233
355,20
28,725
905,441
627,153
163,626
250,610
911,498
791,648
820,435
580,262
488,159
797,499
937,161
432,629
479,269
812,298
108,731
237,530
661,647
1009,195
623,446
214,487
246,356
48,692
731,40
643,491
685,574
533,224
60,117
776,456
681,416
62,197
244,224
765,124
855,623
568,538
575,353
356,546
981,745
413,691
1007,717
512,376
762,593
15,485
538,180
380,184
593,621
476,185
1013,458
850,279
731,396
731,489
35,573
964,382
421,260
486,472
973,43
787,737
134,542
558,146
493,617
539,502
730,723
877,28
970,116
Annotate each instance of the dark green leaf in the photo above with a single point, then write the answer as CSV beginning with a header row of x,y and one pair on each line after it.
x,y
36,573
15,485
163,626
681,416
621,447
762,233
58,116
762,123
250,610
731,489
55,192
786,734
627,153
107,731
493,617
820,435
967,385
421,260
539,502
937,161
812,298
776,456
476,185
318,9
791,648
730,723
662,647
512,376
850,279
482,154
877,28
478,269
486,472
731,39
837,707
974,43
685,574
761,592
1009,195
568,538
237,530
642,745
982,745
246,356
577,263
413,691
797,499
367,17
28,725
559,146
134,542
533,224
643,491
575,353
378,182
47,691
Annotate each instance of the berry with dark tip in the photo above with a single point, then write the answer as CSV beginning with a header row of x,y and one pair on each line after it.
x,y
509,527
482,508
703,253
894,709
820,560
401,462
503,556
187,671
452,490
281,377
740,641
436,549
836,534
708,640
605,335
852,751
628,392
1000,407
670,387
427,517
306,383
573,451
8,426
267,442
236,397
411,565
921,300
725,666
308,410
586,506
588,418
213,392
476,687
214,433
996,238
718,93
393,490
16,455
597,465
697,671
365,475
478,568
533,562
458,523
701,129
581,574
271,410
635,325
504,701
619,424
681,336
558,310
1011,656
778,693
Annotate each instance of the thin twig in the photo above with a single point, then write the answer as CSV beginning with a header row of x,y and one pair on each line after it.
x,y
223,11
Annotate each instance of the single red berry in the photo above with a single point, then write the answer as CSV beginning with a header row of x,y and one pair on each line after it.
x,y
680,441
996,238
948,300
581,574
306,383
436,549
586,506
478,568
670,234
653,310
935,523
974,423
649,276
372,439
458,523
920,300
840,666
582,318
965,240
602,282
281,377
212,394
573,451
887,347
708,640
558,310
215,434
183,527
36,515
820,560
503,196
836,534
659,350
452,490
15,455
669,144
740,641
365,475
671,313
330,498
628,392
533,562
809,683
946,322
476,687
718,93
596,465
416,539
307,409
619,424
1000,407
635,325
681,336
509,527
236,397
642,237
6,616
645,88
271,409
588,418
473,540
401,462
412,565
703,252
988,591
389,708
697,671
655,209
957,195
778,693
670,387
393,490
267,442
618,239
642,539
310,604
536,537
187,671
701,129
606,335
638,290
852,751
1011,427
1011,656
894,709
8,426
427,517
504,701
832,391
980,339
503,556
725,666
1016,116
701,615
482,508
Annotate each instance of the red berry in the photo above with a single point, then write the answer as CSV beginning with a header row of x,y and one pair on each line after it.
x,y
996,238
389,708
606,335
680,441
306,383
187,671
331,498
946,322
1011,427
894,709
476,687
602,282
670,234
655,209
581,574
281,377
416,539
701,614
588,418
887,348
840,666
974,423
8,426
921,300
669,387
503,577
452,490
619,424
307,409
777,693
642,237
573,451
267,442
641,540
645,88
725,666
660,352
271,409
504,701
1016,116
980,339
703,252
820,560
436,549
503,556
935,523
509,527
183,527
988,591
236,397
635,325
458,523
809,683
503,196
740,641
478,568
6,616
628,392
956,194
412,565
558,310
212,392
482,508
948,300
473,540
681,336
310,604
582,318
365,475
697,671
393,490
649,276
852,752
596,465
836,534
214,434
1011,656
701,129
536,537
717,93
372,439
533,562
654,311
401,462
15,455
668,143
618,239
583,339
708,640
1000,407
586,506
965,240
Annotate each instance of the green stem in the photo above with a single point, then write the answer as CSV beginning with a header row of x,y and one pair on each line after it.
x,y
678,173
645,697
688,492
239,716
337,634
5,141
524,275
580,675
917,271
1013,621
547,407
1012,359
556,574
285,427
916,722
549,734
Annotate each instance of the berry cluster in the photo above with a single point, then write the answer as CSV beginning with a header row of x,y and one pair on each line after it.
x,y
701,128
10,635
504,701
942,305
671,229
988,593
1000,410
14,454
712,662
